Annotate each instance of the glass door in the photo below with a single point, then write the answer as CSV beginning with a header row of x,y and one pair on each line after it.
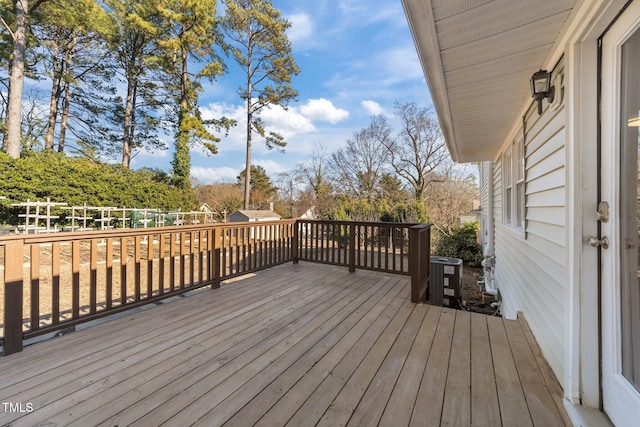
x,y
620,111
630,210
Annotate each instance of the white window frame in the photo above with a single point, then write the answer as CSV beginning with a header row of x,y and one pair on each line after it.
x,y
507,181
514,194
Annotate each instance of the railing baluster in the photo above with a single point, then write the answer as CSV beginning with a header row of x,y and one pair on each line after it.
x,y
270,242
239,241
201,249
215,262
93,276
192,257
75,279
123,271
379,229
402,250
55,283
35,286
386,247
296,241
161,262
150,265
182,259
308,238
352,247
172,261
109,274
321,237
359,244
137,267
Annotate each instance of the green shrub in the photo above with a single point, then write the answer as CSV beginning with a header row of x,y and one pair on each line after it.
x,y
462,243
75,181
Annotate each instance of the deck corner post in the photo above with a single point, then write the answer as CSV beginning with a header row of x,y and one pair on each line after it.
x,y
13,296
352,247
419,260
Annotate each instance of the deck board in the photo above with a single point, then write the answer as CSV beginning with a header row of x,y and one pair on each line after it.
x,y
400,406
297,344
513,405
485,408
428,408
456,410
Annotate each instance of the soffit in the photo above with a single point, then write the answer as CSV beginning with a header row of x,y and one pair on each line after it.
x,y
478,57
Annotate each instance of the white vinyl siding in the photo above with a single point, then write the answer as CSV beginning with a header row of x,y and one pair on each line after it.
x,y
483,174
530,269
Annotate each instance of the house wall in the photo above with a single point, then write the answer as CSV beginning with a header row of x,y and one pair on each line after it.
x,y
483,173
530,263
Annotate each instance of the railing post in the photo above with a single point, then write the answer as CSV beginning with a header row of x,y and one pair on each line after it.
x,y
296,241
419,259
13,299
414,264
215,256
352,247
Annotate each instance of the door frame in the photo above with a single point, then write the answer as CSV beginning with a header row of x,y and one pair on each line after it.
x,y
618,394
582,375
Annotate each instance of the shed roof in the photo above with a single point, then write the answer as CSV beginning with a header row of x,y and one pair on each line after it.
x,y
256,214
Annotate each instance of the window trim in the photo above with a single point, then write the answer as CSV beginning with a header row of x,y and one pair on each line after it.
x,y
514,185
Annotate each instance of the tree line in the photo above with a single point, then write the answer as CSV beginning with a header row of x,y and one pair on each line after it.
x,y
382,173
123,73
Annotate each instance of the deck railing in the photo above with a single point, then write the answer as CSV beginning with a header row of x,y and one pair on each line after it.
x,y
377,246
54,282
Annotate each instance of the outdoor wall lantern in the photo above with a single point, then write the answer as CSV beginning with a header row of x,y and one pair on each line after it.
x,y
541,88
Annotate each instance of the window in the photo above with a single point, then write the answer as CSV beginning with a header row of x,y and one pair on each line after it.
x,y
514,185
508,187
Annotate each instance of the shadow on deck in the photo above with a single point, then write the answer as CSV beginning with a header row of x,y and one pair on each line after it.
x,y
296,344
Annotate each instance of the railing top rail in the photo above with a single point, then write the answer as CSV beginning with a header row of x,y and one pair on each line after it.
x,y
366,223
69,236
254,223
421,227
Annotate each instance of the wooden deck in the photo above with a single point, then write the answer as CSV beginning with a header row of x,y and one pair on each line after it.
x,y
298,345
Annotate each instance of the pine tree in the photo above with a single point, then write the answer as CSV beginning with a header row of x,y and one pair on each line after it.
x,y
11,142
189,35
134,118
258,42
74,42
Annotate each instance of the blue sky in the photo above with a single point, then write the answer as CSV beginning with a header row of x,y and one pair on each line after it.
x,y
356,57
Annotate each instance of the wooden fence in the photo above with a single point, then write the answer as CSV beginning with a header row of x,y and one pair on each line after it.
x,y
57,281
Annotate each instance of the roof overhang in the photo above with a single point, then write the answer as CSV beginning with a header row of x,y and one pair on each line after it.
x,y
478,58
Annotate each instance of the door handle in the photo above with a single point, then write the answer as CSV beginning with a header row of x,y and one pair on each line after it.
x,y
603,243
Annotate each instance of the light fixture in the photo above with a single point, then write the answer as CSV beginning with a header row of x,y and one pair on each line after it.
x,y
541,88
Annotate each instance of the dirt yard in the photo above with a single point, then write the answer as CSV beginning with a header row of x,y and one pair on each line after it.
x,y
472,294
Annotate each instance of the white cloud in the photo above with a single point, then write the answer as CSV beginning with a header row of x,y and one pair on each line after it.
x,y
301,27
272,167
236,139
373,107
288,123
211,175
401,63
158,156
324,110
